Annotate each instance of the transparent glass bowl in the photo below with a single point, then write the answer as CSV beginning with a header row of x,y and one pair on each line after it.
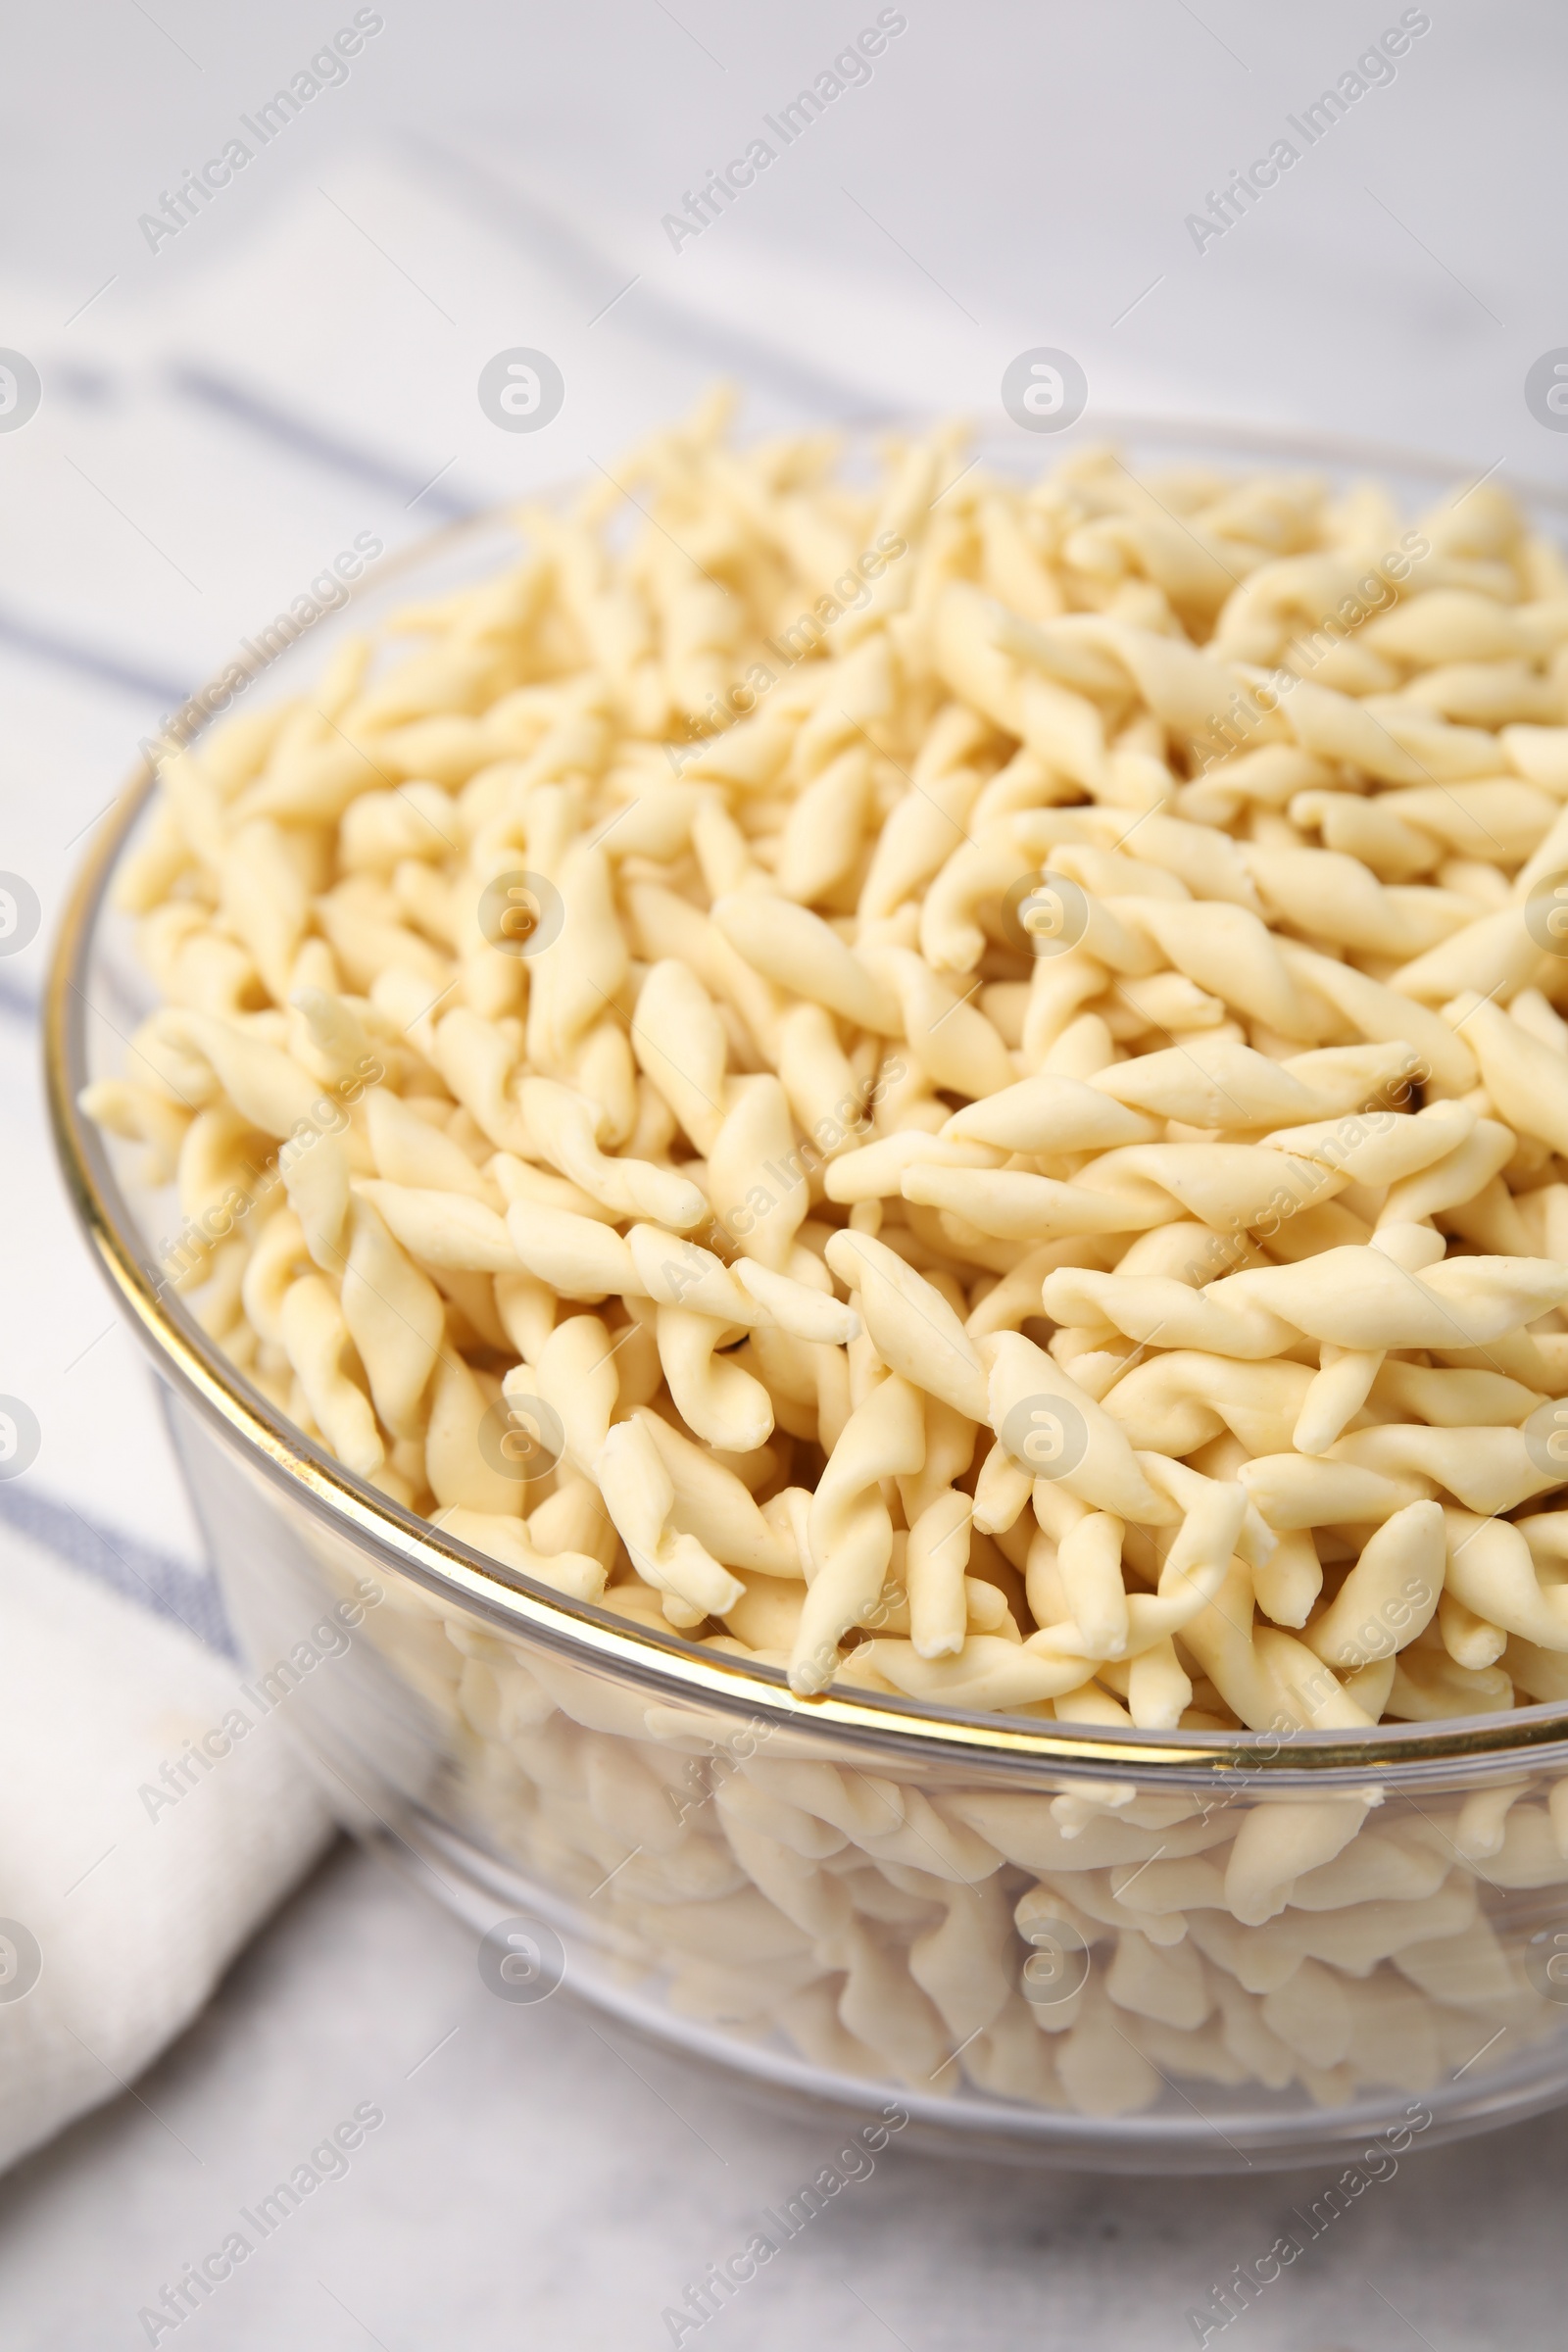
x,y
1142,1952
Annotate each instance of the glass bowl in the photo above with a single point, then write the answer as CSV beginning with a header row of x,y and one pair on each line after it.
x,y
1135,1951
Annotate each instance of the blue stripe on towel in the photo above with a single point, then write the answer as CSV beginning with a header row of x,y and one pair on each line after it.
x,y
302,439
89,660
151,1578
16,1002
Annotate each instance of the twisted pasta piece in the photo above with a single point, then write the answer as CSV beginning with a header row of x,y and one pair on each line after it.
x,y
850,1530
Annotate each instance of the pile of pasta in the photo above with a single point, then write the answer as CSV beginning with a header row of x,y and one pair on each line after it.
x,y
951,1086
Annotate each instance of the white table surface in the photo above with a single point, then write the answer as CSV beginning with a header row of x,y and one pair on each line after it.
x,y
220,418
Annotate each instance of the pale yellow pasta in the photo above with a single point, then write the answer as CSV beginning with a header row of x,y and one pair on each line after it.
x,y
977,1074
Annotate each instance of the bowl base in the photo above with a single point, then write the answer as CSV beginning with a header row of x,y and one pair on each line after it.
x,y
1192,2131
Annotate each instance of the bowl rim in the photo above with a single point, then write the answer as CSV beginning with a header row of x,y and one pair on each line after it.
x,y
595,1638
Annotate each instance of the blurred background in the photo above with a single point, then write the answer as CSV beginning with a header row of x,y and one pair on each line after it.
x,y
224,382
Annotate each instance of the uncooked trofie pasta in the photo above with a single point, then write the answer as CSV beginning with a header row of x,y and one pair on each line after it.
x,y
957,1089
